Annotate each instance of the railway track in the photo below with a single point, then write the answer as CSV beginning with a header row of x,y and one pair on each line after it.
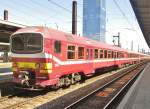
x,y
6,89
5,83
108,95
19,98
33,100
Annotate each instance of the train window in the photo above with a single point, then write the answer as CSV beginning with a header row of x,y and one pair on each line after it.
x,y
105,53
80,52
117,54
130,55
27,43
96,53
87,53
101,53
122,55
71,52
57,46
112,54
17,43
109,54
91,53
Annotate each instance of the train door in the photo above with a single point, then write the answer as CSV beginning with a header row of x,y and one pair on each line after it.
x,y
113,57
89,60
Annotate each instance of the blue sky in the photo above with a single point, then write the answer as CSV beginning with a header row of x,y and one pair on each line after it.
x,y
45,13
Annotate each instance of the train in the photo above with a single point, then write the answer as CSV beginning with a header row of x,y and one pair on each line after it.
x,y
44,57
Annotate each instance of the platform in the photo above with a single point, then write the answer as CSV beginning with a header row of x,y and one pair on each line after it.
x,y
5,72
138,96
5,65
5,68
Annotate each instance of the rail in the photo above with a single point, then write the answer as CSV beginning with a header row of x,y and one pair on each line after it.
x,y
80,103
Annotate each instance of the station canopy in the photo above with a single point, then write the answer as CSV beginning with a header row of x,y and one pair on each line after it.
x,y
6,29
142,12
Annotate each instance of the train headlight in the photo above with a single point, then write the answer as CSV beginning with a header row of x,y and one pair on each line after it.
x,y
14,64
37,65
14,69
42,66
46,66
20,76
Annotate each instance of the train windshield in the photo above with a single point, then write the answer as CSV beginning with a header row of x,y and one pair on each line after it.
x,y
27,43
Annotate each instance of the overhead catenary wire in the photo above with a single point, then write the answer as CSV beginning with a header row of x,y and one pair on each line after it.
x,y
54,11
26,15
123,14
39,11
23,12
125,17
38,15
60,6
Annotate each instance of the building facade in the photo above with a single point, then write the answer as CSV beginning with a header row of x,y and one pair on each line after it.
x,y
94,19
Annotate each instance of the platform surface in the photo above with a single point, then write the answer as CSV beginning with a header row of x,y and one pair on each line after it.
x,y
5,72
5,68
5,65
138,96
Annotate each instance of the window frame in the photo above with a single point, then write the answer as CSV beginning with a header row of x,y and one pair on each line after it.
x,y
82,53
59,47
25,51
109,54
105,55
71,51
96,54
91,53
101,53
87,53
112,54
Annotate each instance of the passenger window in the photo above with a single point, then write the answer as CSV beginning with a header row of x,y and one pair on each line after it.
x,y
57,46
112,54
96,53
71,52
91,53
122,55
105,53
117,54
80,52
87,53
109,54
101,53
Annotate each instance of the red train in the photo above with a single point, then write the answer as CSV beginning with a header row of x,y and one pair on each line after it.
x,y
44,57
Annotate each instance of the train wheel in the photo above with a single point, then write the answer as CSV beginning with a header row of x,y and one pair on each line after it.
x,y
55,87
67,81
59,84
73,81
77,77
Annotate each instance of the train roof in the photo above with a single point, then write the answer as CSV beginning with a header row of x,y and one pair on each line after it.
x,y
59,35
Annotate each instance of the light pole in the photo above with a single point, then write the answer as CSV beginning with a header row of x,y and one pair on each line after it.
x,y
118,36
56,25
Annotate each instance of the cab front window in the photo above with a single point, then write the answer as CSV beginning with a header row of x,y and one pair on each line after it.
x,y
27,43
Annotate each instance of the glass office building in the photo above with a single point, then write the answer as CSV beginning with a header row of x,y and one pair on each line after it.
x,y
94,19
